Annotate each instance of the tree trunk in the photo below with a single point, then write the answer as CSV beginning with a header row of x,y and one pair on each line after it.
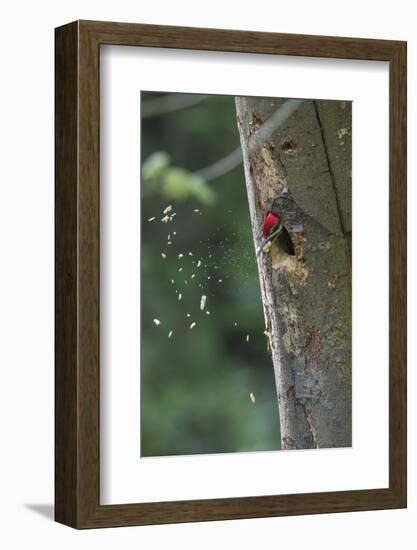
x,y
306,297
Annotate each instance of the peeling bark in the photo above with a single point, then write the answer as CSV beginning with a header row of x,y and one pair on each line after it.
x,y
306,297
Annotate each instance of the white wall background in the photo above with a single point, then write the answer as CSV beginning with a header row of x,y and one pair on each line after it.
x,y
26,272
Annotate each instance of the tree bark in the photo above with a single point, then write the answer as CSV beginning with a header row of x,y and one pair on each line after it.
x,y
306,297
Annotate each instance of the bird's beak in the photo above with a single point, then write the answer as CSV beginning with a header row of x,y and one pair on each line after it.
x,y
261,245
263,242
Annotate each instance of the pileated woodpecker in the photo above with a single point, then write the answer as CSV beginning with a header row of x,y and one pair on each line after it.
x,y
273,228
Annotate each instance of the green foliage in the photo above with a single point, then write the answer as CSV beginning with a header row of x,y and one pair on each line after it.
x,y
174,183
155,166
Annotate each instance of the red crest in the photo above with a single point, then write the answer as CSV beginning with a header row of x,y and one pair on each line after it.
x,y
270,222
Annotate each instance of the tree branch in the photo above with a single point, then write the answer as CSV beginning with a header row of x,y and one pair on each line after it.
x,y
276,120
222,166
170,103
233,159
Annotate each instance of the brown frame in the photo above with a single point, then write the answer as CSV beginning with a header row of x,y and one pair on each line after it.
x,y
77,385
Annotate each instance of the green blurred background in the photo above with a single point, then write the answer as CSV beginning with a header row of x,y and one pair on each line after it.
x,y
196,385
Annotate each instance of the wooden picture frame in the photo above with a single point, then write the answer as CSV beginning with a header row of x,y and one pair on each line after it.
x,y
77,374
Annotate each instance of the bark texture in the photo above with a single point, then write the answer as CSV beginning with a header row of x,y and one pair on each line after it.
x,y
306,297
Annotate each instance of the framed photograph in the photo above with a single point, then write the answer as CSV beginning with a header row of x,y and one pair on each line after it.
x,y
230,274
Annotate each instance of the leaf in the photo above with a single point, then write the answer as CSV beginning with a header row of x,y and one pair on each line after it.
x,y
176,183
202,191
181,184
155,165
